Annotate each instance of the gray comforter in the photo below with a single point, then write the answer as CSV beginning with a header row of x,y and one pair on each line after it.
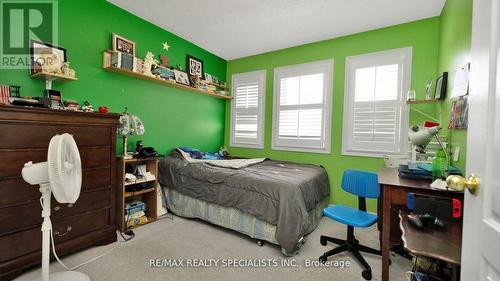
x,y
278,192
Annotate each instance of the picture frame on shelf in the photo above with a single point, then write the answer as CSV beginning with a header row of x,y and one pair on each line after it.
x,y
194,66
211,79
208,78
440,90
181,77
46,57
122,44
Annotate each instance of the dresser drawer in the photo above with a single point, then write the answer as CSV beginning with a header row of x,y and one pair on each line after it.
x,y
25,135
27,215
68,228
92,157
16,190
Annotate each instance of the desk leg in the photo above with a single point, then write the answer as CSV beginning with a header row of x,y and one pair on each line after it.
x,y
386,233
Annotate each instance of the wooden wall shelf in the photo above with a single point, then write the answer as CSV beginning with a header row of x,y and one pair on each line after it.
x,y
219,86
107,66
52,77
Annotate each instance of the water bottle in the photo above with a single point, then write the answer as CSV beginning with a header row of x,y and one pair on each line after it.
x,y
438,164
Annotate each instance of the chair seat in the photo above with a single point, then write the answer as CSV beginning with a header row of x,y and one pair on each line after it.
x,y
350,216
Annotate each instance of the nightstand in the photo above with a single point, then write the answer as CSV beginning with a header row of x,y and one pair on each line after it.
x,y
144,190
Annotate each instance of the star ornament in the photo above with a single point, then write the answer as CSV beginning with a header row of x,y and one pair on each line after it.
x,y
165,46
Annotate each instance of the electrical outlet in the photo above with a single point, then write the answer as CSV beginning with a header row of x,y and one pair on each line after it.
x,y
456,154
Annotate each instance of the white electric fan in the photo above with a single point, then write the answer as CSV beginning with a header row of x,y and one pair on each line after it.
x,y
62,176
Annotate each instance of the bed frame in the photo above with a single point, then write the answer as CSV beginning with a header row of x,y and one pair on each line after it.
x,y
232,218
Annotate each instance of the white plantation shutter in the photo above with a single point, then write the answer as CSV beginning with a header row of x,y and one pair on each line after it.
x,y
302,107
247,114
375,117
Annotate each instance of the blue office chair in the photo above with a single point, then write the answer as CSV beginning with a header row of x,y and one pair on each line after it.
x,y
364,185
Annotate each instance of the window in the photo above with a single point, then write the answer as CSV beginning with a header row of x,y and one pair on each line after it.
x,y
302,107
247,109
375,116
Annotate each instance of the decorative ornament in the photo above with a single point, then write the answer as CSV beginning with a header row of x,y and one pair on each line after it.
x,y
164,60
165,46
149,63
51,63
87,107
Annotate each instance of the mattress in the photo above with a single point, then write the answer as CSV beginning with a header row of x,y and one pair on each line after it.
x,y
280,193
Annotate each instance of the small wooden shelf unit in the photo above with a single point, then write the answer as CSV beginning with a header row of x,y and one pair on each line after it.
x,y
147,196
106,65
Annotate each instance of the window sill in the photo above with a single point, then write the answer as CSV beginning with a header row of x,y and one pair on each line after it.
x,y
369,154
246,145
301,149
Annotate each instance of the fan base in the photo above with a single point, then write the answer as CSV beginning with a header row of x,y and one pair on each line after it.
x,y
67,276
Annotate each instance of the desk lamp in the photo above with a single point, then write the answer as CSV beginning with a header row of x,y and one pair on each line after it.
x,y
421,136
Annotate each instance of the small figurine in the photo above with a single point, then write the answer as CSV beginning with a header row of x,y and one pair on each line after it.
x,y
195,81
87,107
71,73
65,68
149,63
164,60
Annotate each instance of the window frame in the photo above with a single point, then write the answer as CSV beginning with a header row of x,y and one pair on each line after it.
x,y
377,58
327,67
260,77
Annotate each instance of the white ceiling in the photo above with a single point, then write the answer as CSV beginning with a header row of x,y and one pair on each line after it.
x,y
238,28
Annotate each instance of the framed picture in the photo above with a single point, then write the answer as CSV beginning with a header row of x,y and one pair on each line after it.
x,y
440,91
46,57
181,77
194,66
123,45
459,117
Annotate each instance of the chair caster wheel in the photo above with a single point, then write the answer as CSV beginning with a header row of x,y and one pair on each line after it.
x,y
322,241
367,274
260,243
322,259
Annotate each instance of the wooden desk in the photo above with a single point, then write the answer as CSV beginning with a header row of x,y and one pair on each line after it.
x,y
392,199
442,244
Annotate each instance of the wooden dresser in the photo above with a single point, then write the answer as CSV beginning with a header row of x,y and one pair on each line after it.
x,y
24,136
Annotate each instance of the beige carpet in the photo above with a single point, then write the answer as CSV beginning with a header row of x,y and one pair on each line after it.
x,y
194,239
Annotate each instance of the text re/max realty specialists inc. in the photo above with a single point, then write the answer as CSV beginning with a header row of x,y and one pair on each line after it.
x,y
226,262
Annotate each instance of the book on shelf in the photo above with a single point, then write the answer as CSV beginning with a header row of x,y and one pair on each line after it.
x,y
124,61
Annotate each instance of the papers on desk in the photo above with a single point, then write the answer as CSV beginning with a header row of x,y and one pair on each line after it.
x,y
439,184
442,185
407,171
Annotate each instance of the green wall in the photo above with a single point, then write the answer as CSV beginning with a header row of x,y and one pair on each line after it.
x,y
422,35
454,52
172,117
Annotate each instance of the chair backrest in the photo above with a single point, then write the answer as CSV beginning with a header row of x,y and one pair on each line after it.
x,y
360,183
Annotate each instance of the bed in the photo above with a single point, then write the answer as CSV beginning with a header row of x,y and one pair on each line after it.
x,y
276,201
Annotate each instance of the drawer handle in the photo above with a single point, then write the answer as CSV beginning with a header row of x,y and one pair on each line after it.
x,y
62,234
70,205
57,208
